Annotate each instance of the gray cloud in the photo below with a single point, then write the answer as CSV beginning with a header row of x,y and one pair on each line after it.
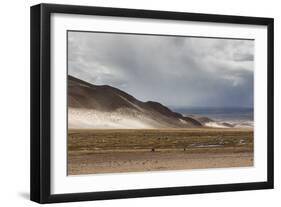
x,y
176,71
243,57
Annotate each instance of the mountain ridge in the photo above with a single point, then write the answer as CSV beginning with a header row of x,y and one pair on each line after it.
x,y
104,106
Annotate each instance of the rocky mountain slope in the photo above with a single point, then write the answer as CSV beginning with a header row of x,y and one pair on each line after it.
x,y
92,106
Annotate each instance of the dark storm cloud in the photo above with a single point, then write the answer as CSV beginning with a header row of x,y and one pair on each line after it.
x,y
244,57
176,71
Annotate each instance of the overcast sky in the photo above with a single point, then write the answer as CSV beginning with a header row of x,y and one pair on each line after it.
x,y
175,71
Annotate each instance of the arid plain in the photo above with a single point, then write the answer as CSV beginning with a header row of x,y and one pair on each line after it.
x,y
93,151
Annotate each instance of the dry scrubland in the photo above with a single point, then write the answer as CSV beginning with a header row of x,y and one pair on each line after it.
x,y
109,151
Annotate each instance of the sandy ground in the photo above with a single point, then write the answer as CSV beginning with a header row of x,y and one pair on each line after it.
x,y
114,151
151,161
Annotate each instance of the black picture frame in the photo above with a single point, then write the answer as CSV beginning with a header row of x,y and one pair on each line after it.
x,y
40,184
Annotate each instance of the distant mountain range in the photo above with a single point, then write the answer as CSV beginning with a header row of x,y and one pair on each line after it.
x,y
92,106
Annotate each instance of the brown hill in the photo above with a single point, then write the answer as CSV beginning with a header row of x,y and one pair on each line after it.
x,y
109,104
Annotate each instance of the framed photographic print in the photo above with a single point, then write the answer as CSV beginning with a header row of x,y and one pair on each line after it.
x,y
133,103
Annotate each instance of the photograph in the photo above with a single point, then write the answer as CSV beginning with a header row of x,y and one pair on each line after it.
x,y
132,103
150,102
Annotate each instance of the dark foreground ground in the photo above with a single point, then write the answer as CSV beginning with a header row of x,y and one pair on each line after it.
x,y
122,150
